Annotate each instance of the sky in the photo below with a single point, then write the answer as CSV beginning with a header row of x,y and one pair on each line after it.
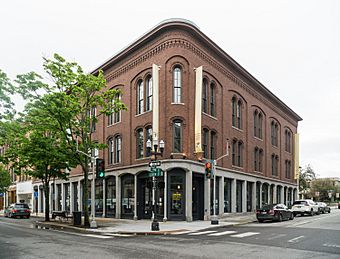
x,y
292,47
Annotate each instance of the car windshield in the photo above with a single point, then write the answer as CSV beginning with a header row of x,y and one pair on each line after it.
x,y
299,203
23,206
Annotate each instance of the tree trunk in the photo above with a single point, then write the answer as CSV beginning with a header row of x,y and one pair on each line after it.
x,y
86,197
47,201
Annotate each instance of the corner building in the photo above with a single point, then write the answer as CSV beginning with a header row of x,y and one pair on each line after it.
x,y
179,86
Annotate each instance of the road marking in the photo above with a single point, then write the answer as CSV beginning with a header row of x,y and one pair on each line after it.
x,y
331,245
296,239
96,236
246,234
202,233
118,235
275,236
222,233
182,232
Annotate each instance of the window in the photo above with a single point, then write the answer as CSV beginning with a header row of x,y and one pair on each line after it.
x,y
177,136
255,123
234,111
118,148
275,164
149,135
274,133
258,159
288,168
239,114
140,97
117,114
177,85
213,145
288,140
148,94
259,127
140,143
212,100
205,142
111,151
237,153
114,117
205,96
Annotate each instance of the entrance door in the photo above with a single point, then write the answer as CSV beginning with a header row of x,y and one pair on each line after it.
x,y
176,194
144,197
198,196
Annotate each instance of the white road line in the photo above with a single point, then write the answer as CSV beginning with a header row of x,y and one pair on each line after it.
x,y
96,236
82,235
118,235
222,233
275,236
246,234
182,232
202,233
295,240
331,245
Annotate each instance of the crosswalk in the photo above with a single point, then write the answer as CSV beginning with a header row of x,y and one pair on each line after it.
x,y
215,233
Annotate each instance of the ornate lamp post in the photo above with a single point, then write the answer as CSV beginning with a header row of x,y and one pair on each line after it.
x,y
155,171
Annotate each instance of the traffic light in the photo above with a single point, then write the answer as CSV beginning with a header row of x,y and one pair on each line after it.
x,y
100,168
208,168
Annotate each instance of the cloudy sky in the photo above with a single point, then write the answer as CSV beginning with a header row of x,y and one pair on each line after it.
x,y
292,47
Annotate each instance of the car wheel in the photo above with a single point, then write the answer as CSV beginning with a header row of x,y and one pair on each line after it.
x,y
28,217
280,217
329,211
312,213
260,220
291,216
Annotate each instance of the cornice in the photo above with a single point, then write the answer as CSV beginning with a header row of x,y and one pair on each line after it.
x,y
184,43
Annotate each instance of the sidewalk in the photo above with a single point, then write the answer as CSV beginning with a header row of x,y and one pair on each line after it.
x,y
143,227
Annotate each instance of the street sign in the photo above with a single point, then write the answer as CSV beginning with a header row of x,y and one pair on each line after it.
x,y
36,194
156,172
155,163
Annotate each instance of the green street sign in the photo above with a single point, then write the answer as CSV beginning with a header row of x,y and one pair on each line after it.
x,y
156,172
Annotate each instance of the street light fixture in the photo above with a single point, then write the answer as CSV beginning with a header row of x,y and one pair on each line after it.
x,y
158,150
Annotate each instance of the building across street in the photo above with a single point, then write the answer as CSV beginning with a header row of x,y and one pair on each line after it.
x,y
182,90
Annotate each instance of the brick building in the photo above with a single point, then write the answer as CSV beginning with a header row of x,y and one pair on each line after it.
x,y
181,87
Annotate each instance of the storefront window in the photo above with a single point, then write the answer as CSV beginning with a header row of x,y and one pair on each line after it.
x,y
212,196
177,195
110,197
239,196
227,195
99,197
67,196
59,201
128,196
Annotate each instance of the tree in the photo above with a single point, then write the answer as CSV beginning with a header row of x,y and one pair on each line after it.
x,y
323,187
5,180
306,176
73,102
6,89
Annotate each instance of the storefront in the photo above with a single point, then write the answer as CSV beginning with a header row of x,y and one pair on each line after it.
x,y
24,193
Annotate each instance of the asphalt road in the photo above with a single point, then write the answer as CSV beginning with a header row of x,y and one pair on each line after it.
x,y
304,237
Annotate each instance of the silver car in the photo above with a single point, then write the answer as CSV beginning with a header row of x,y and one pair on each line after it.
x,y
305,207
18,210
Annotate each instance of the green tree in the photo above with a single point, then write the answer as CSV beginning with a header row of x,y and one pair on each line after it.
x,y
5,180
74,101
6,89
306,176
323,187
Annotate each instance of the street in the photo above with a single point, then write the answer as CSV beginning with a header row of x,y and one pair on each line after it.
x,y
303,237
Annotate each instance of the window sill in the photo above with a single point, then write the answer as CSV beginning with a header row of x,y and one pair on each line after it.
x,y
137,115
111,125
178,103
260,139
210,116
240,130
237,167
178,155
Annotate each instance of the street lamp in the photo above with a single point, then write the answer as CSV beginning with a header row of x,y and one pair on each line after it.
x,y
157,150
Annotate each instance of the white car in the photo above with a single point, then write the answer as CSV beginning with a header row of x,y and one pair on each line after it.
x,y
305,207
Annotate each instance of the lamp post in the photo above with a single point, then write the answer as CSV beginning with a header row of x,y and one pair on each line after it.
x,y
157,150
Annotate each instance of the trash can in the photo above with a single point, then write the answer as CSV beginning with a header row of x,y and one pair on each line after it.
x,y
76,218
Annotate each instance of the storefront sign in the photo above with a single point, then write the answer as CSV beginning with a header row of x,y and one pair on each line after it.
x,y
24,187
176,196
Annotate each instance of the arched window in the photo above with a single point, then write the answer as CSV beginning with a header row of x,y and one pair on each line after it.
x,y
259,127
274,133
233,152
260,160
240,154
140,143
255,123
117,114
149,136
148,93
205,96
239,114
177,136
140,97
177,85
256,159
234,111
212,100
118,148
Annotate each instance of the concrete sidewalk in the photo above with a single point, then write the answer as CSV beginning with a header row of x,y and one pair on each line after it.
x,y
143,227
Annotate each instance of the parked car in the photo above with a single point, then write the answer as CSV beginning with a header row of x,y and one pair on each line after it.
x,y
305,207
339,205
18,210
323,207
274,212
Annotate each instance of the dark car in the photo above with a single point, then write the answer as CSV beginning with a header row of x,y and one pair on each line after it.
x,y
274,212
323,207
18,210
339,205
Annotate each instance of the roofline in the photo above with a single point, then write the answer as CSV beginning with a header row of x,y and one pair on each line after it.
x,y
193,28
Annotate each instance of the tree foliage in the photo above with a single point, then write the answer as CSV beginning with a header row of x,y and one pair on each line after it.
x,y
323,187
306,176
69,108
5,180
6,89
